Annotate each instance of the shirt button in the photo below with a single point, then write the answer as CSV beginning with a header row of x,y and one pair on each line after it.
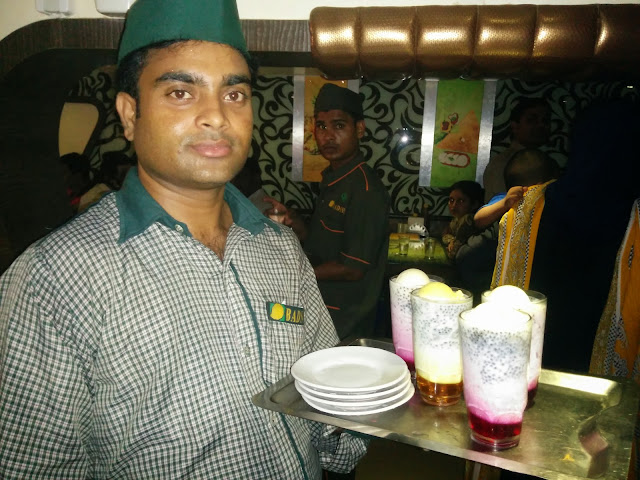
x,y
179,229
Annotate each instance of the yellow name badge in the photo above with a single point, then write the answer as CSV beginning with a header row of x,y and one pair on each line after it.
x,y
279,312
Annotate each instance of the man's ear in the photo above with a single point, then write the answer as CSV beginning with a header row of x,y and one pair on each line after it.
x,y
126,107
360,128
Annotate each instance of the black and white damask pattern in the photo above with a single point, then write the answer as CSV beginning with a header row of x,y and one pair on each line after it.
x,y
393,117
98,88
271,144
391,145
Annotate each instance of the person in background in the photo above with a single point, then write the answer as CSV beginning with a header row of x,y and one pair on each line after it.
x,y
347,236
114,169
133,338
580,232
527,167
112,172
475,260
465,197
616,348
76,177
530,125
581,229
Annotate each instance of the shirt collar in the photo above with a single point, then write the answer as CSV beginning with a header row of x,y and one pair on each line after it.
x,y
138,210
329,175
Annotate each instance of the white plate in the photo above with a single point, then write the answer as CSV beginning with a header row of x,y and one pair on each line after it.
x,y
355,391
358,405
355,396
358,410
350,369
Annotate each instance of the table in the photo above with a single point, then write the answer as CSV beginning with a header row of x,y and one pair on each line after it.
x,y
416,252
579,426
439,265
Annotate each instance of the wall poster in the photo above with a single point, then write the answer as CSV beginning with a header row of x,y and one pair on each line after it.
x,y
461,124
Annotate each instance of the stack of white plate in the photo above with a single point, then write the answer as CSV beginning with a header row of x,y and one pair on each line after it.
x,y
353,380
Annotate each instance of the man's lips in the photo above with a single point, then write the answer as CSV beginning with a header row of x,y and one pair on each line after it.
x,y
212,149
329,148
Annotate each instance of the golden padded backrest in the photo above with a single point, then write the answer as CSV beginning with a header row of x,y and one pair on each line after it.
x,y
533,42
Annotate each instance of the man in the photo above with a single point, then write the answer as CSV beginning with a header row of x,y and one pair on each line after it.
x,y
347,237
530,124
133,338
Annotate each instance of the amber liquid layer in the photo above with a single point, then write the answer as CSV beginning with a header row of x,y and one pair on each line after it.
x,y
440,394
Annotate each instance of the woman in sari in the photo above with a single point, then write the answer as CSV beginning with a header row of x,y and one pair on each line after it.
x,y
566,234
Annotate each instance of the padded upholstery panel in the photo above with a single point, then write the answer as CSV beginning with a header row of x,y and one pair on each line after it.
x,y
532,42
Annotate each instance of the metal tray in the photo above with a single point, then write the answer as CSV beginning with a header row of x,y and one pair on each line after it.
x,y
578,427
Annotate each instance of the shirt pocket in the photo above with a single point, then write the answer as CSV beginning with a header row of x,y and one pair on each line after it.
x,y
333,221
284,341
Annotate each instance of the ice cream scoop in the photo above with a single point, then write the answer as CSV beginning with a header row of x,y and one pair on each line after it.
x,y
497,315
509,295
438,291
412,277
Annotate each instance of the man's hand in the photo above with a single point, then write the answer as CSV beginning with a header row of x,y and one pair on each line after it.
x,y
287,216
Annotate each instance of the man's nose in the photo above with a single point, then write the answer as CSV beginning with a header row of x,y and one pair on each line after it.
x,y
328,133
212,113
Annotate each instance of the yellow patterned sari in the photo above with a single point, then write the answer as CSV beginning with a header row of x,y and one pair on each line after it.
x,y
517,236
616,349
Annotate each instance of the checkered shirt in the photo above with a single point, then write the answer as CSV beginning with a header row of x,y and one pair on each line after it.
x,y
130,350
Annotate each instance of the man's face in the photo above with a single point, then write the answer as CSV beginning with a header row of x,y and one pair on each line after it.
x,y
195,123
337,136
533,128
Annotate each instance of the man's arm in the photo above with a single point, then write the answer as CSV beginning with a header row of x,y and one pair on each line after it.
x,y
44,401
338,450
337,271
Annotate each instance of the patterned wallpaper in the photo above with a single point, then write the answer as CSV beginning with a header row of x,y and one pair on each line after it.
x,y
391,145
393,111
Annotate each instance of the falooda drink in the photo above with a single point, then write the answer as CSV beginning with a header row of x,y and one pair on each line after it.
x,y
495,343
436,341
400,287
535,304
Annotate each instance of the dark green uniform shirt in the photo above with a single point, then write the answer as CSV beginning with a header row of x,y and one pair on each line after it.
x,y
350,225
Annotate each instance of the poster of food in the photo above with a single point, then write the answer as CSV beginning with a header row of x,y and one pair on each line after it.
x,y
312,162
457,131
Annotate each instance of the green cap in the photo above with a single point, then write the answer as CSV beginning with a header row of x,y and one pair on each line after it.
x,y
333,97
152,21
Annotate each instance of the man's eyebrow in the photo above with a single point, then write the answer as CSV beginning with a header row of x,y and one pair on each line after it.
x,y
189,78
183,77
234,79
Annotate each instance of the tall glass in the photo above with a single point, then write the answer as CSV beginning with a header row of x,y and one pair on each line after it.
x,y
436,346
537,308
495,355
401,320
